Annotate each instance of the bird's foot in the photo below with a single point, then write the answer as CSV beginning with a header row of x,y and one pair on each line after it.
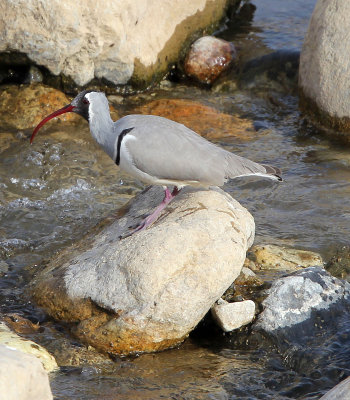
x,y
148,221
144,225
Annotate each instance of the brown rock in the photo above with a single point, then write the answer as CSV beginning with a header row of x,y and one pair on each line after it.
x,y
24,107
205,120
283,258
19,324
208,57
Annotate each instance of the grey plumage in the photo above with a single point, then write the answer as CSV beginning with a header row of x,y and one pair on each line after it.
x,y
160,151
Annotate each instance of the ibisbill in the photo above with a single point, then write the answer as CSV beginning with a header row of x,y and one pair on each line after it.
x,y
159,151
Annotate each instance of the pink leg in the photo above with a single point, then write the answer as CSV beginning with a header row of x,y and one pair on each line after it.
x,y
154,216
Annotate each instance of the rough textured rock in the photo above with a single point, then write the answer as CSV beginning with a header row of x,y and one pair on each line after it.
x,y
14,341
22,377
325,64
148,291
102,39
298,298
205,120
277,257
230,316
208,58
339,392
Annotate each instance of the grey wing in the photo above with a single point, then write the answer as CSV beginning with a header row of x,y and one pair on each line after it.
x,y
167,150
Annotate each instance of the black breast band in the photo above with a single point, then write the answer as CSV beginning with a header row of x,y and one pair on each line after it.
x,y
120,138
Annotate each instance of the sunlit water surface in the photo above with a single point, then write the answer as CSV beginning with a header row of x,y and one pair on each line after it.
x,y
51,193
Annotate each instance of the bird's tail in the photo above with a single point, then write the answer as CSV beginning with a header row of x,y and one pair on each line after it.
x,y
273,172
239,166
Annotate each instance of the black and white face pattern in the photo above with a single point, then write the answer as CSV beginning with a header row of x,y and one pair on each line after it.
x,y
81,104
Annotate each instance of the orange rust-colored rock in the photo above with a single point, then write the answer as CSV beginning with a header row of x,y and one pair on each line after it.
x,y
23,107
205,120
20,324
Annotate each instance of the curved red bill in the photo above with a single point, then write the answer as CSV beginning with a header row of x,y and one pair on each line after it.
x,y
65,109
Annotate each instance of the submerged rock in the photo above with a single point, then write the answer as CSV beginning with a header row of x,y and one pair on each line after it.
x,y
148,291
205,120
208,58
339,264
109,39
22,377
325,65
277,71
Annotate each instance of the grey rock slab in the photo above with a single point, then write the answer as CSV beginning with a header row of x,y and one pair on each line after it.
x,y
22,376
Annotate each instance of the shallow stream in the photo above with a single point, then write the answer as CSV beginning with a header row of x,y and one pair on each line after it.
x,y
55,190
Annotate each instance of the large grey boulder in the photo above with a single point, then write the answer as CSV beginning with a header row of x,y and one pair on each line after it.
x,y
22,376
325,64
110,39
148,291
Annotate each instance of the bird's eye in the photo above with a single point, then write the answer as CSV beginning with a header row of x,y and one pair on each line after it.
x,y
85,101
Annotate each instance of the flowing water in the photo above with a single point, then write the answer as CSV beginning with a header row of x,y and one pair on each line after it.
x,y
53,191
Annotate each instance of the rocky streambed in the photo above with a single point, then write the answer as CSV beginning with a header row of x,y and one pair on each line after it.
x,y
68,283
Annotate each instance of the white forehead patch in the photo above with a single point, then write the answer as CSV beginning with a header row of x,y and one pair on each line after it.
x,y
98,103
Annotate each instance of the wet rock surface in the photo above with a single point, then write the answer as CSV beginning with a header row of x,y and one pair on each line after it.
x,y
277,71
148,291
208,58
14,341
205,120
339,263
306,318
24,107
297,303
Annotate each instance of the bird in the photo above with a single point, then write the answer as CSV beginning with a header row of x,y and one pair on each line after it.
x,y
159,151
